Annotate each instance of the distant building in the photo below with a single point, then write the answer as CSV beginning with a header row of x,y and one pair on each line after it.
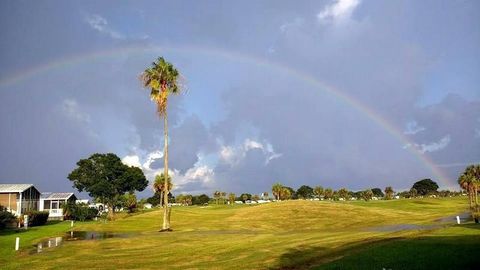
x,y
147,206
19,198
54,202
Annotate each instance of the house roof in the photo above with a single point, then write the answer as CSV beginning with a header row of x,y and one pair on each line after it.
x,y
9,188
56,195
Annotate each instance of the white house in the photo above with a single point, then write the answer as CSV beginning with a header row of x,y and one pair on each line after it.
x,y
54,202
147,206
19,198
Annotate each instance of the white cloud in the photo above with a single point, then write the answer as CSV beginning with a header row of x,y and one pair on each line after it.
x,y
100,24
72,110
200,175
132,160
431,147
338,11
232,155
152,156
413,128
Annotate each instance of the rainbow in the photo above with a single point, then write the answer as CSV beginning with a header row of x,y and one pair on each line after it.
x,y
238,57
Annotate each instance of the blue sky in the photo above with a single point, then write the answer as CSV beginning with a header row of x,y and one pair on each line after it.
x,y
249,117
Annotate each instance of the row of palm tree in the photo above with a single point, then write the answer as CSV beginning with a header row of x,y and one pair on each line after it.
x,y
469,180
281,192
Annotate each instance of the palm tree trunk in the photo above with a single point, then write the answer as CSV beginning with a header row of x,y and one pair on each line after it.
x,y
166,215
161,197
470,196
475,189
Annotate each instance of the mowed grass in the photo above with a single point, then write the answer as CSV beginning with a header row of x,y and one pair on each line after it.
x,y
283,235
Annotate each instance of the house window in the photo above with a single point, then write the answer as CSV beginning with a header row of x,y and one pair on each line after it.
x,y
54,204
46,204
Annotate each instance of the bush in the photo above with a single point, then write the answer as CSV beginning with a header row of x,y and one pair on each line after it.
x,y
79,212
37,218
7,220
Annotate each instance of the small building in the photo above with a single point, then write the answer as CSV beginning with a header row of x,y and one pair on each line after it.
x,y
147,206
19,198
54,202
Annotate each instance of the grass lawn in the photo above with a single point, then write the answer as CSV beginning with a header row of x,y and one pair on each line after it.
x,y
283,235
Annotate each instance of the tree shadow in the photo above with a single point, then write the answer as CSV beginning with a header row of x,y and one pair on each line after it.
x,y
429,252
304,257
10,231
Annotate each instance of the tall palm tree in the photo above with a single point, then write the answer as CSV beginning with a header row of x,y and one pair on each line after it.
x,y
162,78
231,198
276,190
160,186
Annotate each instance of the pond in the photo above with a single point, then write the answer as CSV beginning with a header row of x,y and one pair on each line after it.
x,y
74,236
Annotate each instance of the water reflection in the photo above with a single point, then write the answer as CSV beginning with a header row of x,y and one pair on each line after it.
x,y
75,236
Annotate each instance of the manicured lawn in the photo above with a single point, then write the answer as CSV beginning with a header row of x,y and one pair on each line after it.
x,y
293,234
456,247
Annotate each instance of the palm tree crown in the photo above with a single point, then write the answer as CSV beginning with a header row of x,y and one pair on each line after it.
x,y
162,78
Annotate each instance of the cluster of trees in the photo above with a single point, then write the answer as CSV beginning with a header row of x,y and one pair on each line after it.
x,y
107,179
184,199
421,188
469,181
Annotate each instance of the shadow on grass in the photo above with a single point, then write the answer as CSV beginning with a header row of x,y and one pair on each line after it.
x,y
307,257
445,252
9,231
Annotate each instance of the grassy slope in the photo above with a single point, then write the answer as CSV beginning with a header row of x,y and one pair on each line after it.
x,y
276,235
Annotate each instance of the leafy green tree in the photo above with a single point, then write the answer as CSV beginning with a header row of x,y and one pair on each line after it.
x,y
162,78
184,199
200,199
130,202
343,193
377,192
389,193
413,192
245,197
305,192
318,191
425,186
106,178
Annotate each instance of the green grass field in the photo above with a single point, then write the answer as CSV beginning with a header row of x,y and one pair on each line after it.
x,y
283,235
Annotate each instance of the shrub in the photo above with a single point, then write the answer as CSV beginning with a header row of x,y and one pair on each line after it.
x,y
7,219
79,212
37,218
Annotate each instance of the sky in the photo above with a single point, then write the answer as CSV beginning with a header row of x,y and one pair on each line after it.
x,y
337,93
